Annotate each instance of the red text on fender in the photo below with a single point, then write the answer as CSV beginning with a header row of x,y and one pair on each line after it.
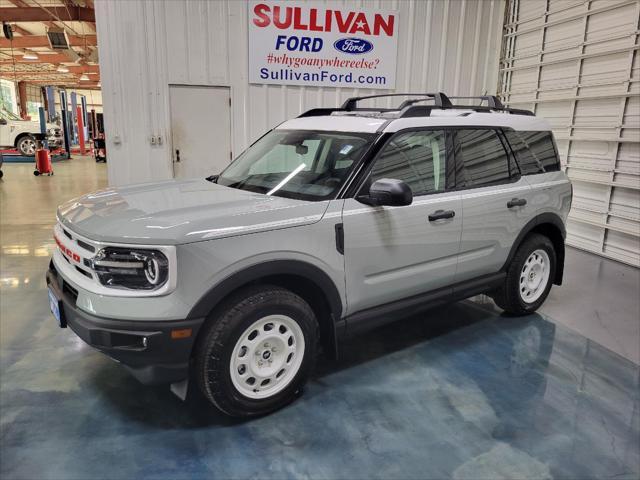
x,y
323,21
68,252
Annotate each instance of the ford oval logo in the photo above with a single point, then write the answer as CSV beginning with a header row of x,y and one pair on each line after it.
x,y
353,46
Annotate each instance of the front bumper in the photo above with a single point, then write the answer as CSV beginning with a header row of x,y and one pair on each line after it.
x,y
146,348
54,141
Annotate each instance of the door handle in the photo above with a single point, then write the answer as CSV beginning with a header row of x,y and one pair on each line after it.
x,y
441,214
177,156
516,202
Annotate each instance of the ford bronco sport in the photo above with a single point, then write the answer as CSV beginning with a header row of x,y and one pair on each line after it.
x,y
330,224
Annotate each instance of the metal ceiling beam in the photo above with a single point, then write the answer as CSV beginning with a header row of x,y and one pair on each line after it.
x,y
34,41
67,83
20,30
42,58
91,69
34,14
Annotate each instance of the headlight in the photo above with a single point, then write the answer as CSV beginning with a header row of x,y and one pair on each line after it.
x,y
131,269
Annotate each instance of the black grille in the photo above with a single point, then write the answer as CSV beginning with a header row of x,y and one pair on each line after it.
x,y
86,246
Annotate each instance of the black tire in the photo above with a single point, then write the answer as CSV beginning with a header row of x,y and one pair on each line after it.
x,y
1,174
36,173
22,145
223,329
509,297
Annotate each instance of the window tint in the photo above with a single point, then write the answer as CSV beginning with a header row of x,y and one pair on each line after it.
x,y
417,158
535,151
483,157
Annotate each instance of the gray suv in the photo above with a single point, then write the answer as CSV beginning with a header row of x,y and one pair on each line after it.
x,y
330,224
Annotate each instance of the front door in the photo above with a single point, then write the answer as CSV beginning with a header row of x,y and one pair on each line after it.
x,y
395,252
200,130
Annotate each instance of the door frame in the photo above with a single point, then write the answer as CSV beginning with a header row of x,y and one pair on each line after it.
x,y
197,85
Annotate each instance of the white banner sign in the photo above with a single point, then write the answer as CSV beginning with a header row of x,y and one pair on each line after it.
x,y
312,45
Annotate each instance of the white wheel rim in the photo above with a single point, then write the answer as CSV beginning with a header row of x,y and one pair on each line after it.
x,y
534,276
29,146
267,356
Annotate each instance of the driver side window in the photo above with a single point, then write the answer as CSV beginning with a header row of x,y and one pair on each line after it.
x,y
417,158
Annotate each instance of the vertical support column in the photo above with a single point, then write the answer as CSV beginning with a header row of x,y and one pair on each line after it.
x,y
85,117
74,109
79,118
51,103
45,100
43,128
22,99
94,123
65,123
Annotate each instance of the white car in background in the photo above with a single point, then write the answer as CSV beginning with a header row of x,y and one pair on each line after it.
x,y
21,134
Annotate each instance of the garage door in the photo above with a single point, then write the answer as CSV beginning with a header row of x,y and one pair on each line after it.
x,y
576,63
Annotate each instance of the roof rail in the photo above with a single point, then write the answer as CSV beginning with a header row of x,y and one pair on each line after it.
x,y
409,109
425,110
319,112
492,101
440,99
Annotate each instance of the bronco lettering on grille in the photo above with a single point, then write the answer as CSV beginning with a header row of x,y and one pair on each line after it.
x,y
68,252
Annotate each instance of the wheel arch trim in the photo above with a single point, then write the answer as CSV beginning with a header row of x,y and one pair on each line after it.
x,y
540,221
271,268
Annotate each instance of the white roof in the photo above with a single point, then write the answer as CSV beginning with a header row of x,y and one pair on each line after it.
x,y
334,123
443,118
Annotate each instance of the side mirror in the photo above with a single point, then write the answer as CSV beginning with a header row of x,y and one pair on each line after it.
x,y
3,121
388,191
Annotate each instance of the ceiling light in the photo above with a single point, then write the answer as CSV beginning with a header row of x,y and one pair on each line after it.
x,y
29,56
84,77
62,69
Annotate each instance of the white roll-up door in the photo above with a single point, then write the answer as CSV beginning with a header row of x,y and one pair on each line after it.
x,y
576,63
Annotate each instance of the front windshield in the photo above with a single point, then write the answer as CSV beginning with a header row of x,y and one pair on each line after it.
x,y
9,115
301,164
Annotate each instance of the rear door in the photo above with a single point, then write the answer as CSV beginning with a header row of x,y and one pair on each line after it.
x,y
393,253
496,201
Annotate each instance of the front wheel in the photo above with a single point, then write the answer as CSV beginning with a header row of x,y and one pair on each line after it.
x,y
257,351
27,146
529,276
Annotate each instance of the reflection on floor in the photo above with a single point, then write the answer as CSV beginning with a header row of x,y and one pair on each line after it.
x,y
459,392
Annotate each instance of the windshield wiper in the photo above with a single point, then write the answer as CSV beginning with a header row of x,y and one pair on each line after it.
x,y
213,178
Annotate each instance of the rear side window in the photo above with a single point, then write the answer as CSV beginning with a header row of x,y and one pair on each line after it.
x,y
483,158
535,151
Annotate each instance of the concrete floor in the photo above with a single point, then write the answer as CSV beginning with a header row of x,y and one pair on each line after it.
x,y
461,392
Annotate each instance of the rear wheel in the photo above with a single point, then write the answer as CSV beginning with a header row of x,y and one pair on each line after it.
x,y
27,146
529,276
257,351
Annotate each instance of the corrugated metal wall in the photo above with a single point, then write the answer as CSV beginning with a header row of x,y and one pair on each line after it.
x,y
448,45
576,63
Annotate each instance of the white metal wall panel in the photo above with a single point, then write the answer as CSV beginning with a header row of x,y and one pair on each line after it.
x,y
448,45
576,63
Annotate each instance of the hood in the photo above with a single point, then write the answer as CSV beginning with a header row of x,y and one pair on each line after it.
x,y
181,211
33,125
